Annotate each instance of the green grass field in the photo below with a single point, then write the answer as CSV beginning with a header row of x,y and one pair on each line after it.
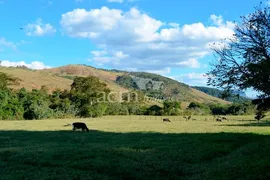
x,y
136,148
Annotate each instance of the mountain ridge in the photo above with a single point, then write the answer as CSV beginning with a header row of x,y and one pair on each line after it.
x,y
236,96
61,77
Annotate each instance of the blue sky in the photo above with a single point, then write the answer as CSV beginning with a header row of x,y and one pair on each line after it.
x,y
169,37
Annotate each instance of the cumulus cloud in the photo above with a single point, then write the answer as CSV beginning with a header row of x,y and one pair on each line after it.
x,y
32,65
133,39
39,29
193,79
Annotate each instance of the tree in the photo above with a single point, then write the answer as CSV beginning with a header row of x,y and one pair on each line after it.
x,y
7,80
126,81
10,105
244,60
154,110
61,104
171,107
199,108
37,105
87,92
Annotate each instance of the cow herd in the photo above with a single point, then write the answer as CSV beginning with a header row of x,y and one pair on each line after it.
x,y
83,127
217,118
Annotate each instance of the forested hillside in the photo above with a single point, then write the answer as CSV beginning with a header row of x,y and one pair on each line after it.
x,y
159,87
237,97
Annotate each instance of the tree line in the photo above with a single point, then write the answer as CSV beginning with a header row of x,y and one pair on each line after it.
x,y
84,99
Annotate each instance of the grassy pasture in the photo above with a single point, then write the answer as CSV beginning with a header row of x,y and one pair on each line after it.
x,y
136,147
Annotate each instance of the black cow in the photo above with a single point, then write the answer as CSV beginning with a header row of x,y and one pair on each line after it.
x,y
166,120
78,125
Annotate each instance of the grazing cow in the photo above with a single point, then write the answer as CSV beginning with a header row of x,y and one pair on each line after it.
x,y
185,118
218,120
189,117
78,125
166,120
224,118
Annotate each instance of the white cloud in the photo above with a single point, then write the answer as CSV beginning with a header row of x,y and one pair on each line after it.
x,y
164,71
217,20
99,53
193,79
142,42
32,65
39,29
117,1
6,43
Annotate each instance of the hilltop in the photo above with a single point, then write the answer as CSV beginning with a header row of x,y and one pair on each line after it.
x,y
157,86
34,79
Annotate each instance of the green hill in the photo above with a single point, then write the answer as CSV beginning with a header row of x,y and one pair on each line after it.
x,y
218,93
161,87
152,85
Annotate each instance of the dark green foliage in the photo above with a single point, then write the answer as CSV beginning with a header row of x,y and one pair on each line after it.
x,y
36,105
244,62
158,94
133,96
194,105
7,80
10,106
196,108
219,94
171,108
134,108
126,81
233,109
263,105
218,109
61,104
260,115
124,108
86,92
169,88
199,108
89,98
116,108
156,77
154,111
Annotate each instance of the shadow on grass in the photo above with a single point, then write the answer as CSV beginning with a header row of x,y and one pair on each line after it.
x,y
251,124
108,155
